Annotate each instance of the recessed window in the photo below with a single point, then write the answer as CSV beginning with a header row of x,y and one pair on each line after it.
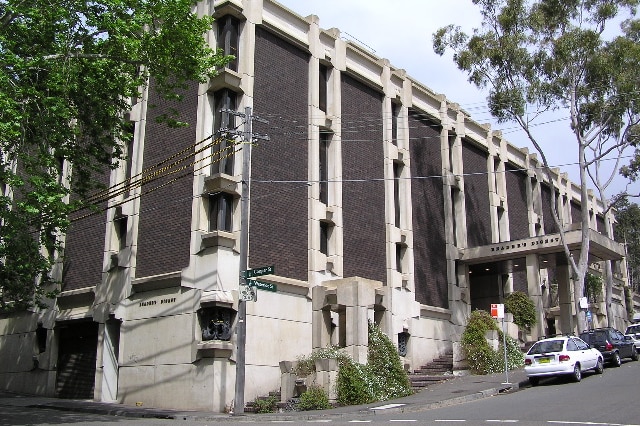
x,y
41,338
395,110
228,32
325,137
120,224
220,212
128,137
323,86
326,229
400,250
397,172
222,160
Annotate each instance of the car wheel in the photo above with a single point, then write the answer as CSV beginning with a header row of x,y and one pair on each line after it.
x,y
534,381
616,360
599,366
634,355
577,373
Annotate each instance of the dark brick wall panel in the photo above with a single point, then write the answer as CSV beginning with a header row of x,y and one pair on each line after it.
x,y
279,212
84,247
363,158
517,200
550,226
476,188
429,243
165,218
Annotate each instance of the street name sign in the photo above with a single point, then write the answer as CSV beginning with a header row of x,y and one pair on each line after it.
x,y
258,272
262,285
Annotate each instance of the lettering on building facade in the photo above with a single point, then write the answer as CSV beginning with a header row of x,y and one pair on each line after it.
x,y
524,244
155,302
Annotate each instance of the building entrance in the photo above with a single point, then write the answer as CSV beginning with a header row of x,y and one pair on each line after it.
x,y
77,349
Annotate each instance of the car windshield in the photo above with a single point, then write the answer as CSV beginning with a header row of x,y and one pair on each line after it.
x,y
633,329
546,347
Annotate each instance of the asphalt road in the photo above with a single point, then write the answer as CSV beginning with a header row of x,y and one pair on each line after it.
x,y
610,399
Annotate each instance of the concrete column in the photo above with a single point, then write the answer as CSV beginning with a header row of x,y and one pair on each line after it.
x,y
320,319
535,294
563,275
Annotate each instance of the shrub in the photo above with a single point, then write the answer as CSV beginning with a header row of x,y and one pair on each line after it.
x,y
314,398
482,359
381,379
522,308
265,405
385,364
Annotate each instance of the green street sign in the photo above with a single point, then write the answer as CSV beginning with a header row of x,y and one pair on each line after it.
x,y
262,285
257,272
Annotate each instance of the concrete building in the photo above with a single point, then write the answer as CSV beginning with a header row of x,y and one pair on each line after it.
x,y
373,199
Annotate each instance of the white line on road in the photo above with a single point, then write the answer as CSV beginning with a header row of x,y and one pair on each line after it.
x,y
386,407
450,420
400,420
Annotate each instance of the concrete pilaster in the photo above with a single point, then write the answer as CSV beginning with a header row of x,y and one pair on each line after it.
x,y
563,275
535,294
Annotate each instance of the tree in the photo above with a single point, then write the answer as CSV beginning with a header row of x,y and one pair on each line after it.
x,y
68,71
627,231
548,55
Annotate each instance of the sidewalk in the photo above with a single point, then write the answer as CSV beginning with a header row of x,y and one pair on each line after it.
x,y
456,390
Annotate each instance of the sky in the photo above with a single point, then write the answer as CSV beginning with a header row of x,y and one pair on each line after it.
x,y
401,31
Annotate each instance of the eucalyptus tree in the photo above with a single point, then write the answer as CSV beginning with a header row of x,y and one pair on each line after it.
x,y
68,72
578,56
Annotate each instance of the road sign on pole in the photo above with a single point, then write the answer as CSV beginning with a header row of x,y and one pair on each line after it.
x,y
258,272
262,285
497,310
247,293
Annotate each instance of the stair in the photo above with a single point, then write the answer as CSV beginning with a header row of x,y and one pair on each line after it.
x,y
436,371
250,406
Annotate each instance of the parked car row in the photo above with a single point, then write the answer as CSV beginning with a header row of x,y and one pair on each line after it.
x,y
571,355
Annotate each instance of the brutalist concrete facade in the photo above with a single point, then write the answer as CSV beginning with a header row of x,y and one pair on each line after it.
x,y
374,199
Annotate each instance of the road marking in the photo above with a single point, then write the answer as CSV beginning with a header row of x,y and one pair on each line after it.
x,y
360,421
386,407
399,420
450,420
502,421
560,422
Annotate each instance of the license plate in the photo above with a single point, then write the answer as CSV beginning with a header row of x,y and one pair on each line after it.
x,y
544,360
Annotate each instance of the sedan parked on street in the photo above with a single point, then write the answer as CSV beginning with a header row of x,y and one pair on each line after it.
x,y
613,345
561,356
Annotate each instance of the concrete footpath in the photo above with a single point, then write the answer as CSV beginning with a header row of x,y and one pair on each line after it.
x,y
456,390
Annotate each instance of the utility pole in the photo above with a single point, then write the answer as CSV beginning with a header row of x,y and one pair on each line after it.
x,y
241,325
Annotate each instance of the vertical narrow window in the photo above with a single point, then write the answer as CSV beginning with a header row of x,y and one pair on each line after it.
x,y
60,168
220,212
128,136
50,244
324,166
399,257
325,235
323,83
452,141
394,123
224,99
121,231
397,172
228,31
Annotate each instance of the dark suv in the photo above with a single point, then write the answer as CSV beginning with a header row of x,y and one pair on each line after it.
x,y
611,343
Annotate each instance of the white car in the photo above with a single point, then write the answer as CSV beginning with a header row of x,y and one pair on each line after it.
x,y
635,341
560,356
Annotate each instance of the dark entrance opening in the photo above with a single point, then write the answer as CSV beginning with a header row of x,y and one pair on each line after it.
x,y
77,350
